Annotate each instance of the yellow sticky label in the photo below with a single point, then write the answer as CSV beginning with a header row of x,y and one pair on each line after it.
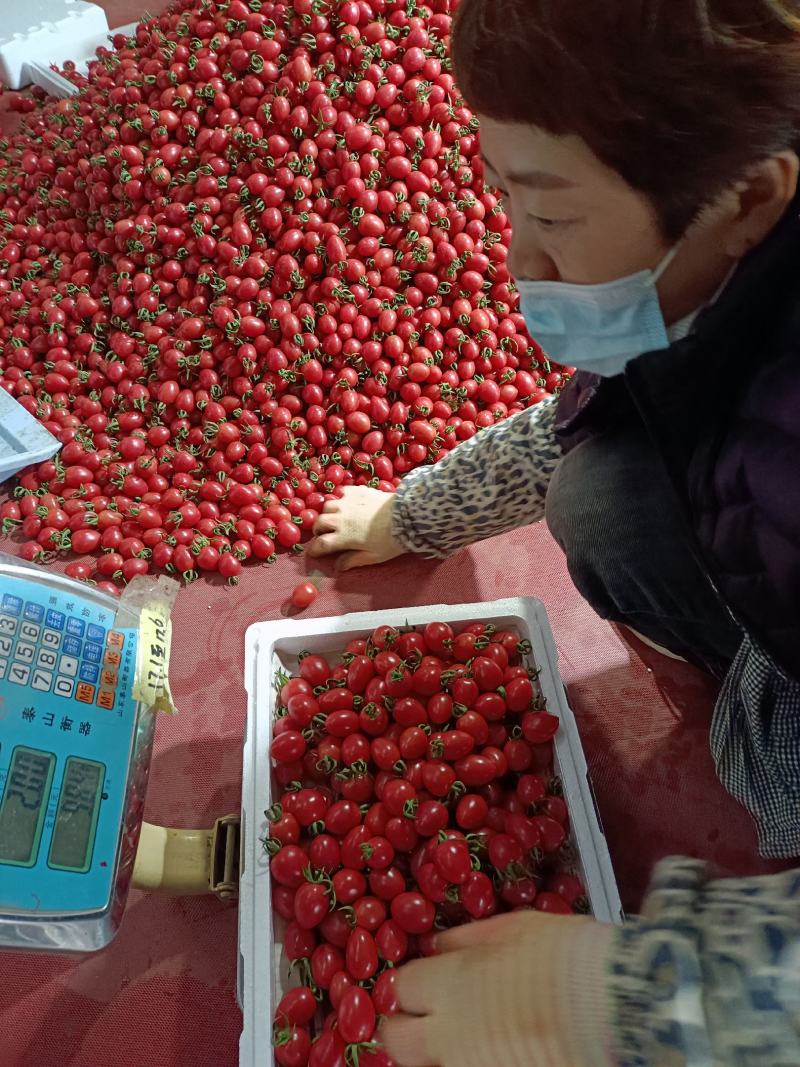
x,y
151,685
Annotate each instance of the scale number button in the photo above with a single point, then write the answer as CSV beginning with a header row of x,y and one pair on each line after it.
x,y
19,673
46,659
7,625
33,612
63,686
85,693
109,678
93,653
12,604
105,698
116,640
42,680
75,627
112,658
68,665
51,639
55,619
3,668
30,631
25,652
6,644
89,672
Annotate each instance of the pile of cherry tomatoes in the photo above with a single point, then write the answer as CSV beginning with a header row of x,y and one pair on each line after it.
x,y
416,791
252,261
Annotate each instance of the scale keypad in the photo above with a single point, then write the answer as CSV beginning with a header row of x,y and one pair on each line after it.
x,y
59,654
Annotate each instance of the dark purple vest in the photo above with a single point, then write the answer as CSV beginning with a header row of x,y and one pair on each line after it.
x,y
723,410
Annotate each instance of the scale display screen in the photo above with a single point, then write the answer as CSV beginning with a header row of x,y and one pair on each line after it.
x,y
24,805
76,818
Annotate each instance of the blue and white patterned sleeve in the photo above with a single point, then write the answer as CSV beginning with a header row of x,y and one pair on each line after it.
x,y
493,482
710,974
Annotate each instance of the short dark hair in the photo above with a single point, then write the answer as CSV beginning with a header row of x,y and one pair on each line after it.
x,y
678,96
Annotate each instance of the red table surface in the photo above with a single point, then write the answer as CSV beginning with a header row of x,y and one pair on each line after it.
x,y
163,994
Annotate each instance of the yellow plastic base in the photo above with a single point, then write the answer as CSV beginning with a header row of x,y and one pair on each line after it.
x,y
173,861
189,862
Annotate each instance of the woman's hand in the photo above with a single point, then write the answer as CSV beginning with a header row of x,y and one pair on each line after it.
x,y
359,523
521,990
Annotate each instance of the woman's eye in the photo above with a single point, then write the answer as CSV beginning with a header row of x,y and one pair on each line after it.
x,y
547,224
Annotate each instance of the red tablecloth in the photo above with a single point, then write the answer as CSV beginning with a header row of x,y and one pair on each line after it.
x,y
163,995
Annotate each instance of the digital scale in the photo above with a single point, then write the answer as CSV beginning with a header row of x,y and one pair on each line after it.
x,y
75,752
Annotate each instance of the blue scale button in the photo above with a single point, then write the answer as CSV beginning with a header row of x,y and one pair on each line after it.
x,y
55,619
95,633
89,672
71,647
33,612
92,653
12,604
75,627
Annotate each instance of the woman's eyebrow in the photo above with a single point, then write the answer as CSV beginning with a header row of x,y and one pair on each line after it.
x,y
539,179
534,179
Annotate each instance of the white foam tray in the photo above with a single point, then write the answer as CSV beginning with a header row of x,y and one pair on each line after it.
x,y
274,645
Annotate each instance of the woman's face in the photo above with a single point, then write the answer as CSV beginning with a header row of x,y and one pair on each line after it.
x,y
576,220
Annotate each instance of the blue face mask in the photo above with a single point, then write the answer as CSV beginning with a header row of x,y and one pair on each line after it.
x,y
597,328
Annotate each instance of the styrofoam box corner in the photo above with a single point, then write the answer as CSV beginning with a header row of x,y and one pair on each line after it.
x,y
47,31
269,645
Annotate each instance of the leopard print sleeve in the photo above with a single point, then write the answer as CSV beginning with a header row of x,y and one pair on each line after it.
x,y
710,974
491,483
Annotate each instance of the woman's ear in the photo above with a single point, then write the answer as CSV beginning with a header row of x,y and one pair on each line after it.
x,y
763,196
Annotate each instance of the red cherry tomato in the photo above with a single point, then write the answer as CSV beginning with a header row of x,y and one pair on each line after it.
x,y
304,595
292,1048
413,913
471,812
361,955
288,864
356,1016
478,896
553,903
298,1006
311,905
453,861
539,726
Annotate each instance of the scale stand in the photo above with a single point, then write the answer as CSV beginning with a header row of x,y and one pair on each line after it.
x,y
189,862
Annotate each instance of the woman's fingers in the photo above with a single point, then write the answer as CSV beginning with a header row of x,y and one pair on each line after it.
x,y
492,931
419,984
326,523
403,1037
325,545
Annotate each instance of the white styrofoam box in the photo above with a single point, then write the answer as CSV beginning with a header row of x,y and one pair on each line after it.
x,y
270,646
46,31
23,440
41,74
51,81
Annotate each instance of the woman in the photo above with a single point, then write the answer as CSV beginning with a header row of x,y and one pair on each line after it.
x,y
647,154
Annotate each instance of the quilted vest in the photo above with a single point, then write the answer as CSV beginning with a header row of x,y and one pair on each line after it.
x,y
722,407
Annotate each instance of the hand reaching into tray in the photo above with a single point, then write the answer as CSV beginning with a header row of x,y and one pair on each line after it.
x,y
523,990
359,525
